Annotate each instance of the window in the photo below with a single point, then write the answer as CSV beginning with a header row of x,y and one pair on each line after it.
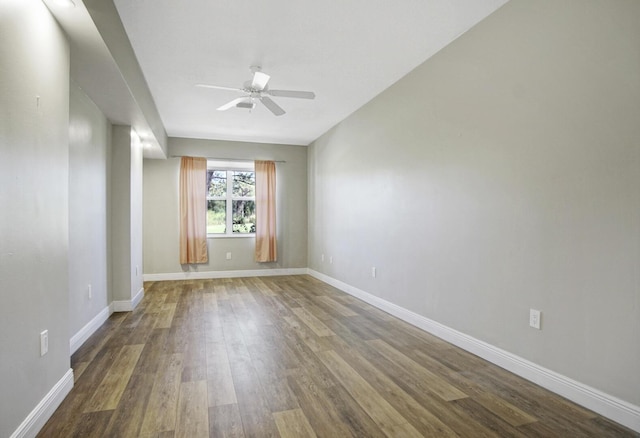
x,y
231,199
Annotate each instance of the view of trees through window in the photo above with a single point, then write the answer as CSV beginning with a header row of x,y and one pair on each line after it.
x,y
231,201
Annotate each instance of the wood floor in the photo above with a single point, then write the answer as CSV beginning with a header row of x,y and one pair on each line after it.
x,y
293,357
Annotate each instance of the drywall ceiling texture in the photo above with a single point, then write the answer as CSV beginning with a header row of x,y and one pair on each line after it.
x,y
34,141
346,51
501,175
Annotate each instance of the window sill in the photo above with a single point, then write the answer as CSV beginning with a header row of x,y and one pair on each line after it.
x,y
229,236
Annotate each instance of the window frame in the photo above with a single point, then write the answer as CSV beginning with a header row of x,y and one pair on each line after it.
x,y
229,168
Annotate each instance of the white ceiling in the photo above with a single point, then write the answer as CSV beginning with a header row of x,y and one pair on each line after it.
x,y
346,51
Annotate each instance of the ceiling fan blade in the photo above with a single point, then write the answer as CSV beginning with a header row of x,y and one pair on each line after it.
x,y
272,106
260,80
233,103
217,87
292,93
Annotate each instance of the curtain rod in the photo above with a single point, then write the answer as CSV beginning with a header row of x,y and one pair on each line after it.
x,y
225,159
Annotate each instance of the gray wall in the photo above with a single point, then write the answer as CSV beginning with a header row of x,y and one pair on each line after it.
x,y
89,156
34,205
126,213
161,209
135,249
501,175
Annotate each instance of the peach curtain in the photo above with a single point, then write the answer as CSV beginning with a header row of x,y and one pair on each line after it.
x,y
193,210
266,248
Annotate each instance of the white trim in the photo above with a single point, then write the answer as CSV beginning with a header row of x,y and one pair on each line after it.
x,y
128,305
136,300
231,236
205,275
604,404
45,409
85,332
122,306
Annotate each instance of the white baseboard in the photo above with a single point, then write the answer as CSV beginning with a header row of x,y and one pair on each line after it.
x,y
604,404
205,275
128,305
85,332
45,409
136,300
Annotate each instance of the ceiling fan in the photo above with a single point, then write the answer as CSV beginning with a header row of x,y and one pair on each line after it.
x,y
258,89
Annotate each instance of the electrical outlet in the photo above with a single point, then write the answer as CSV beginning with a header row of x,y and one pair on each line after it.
x,y
331,260
534,318
228,256
90,295
322,258
44,342
373,272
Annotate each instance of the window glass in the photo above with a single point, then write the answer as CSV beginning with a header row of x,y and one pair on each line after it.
x,y
216,217
217,183
244,184
244,216
231,206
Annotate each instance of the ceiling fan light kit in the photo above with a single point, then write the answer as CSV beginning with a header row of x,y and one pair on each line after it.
x,y
258,89
246,105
